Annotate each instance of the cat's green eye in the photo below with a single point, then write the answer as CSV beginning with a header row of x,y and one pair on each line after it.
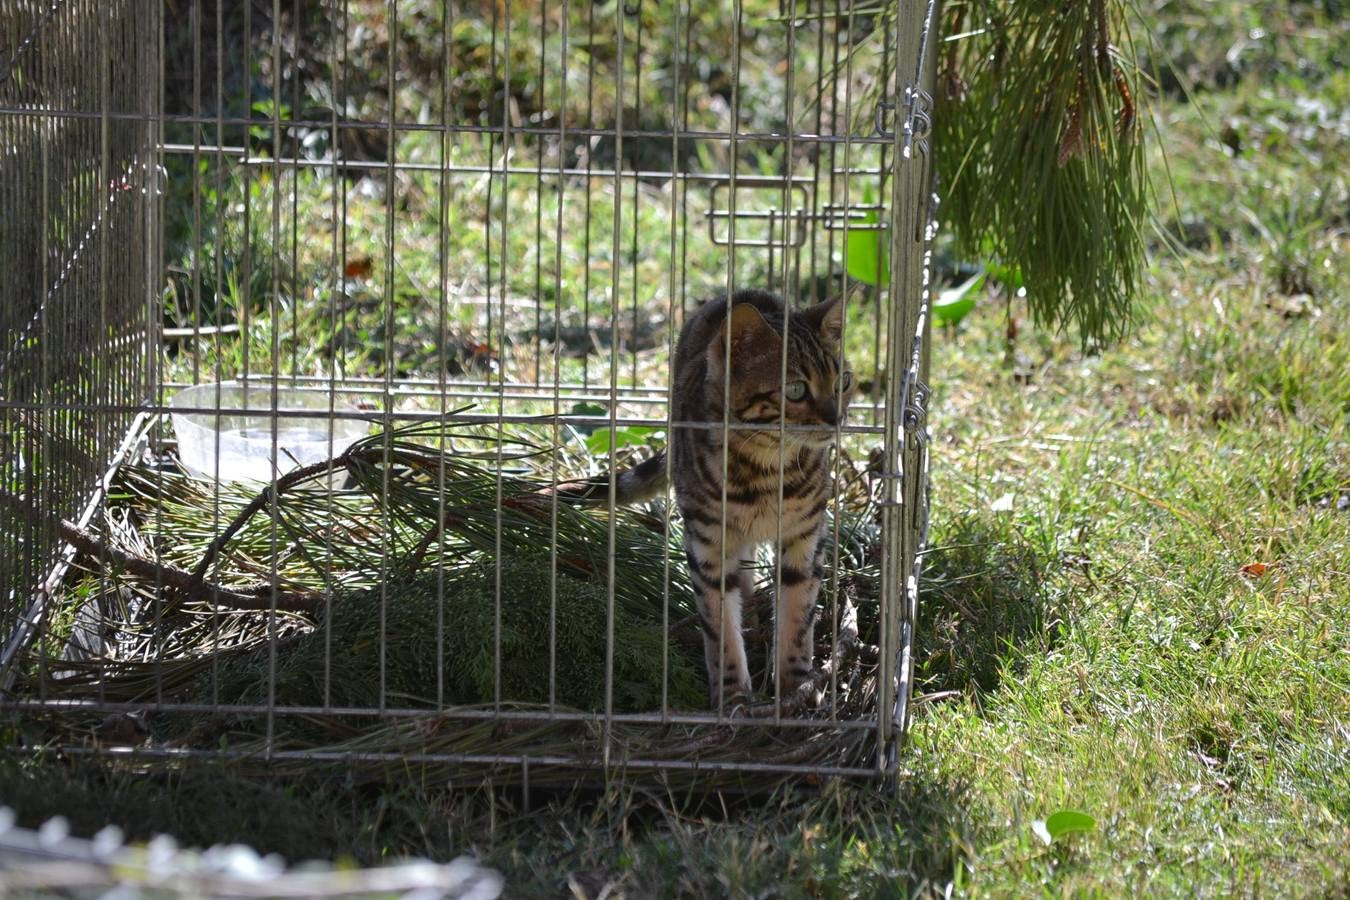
x,y
845,380
795,390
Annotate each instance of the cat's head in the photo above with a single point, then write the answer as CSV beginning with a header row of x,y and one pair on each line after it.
x,y
819,383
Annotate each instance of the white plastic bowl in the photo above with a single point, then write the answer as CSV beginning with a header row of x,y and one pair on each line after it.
x,y
233,441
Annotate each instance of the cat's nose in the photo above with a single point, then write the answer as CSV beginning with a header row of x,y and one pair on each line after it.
x,y
829,413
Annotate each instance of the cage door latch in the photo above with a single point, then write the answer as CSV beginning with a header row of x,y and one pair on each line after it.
x,y
918,118
768,212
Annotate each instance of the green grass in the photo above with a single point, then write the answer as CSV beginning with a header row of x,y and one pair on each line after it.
x,y
1199,713
461,294
1089,639
1105,649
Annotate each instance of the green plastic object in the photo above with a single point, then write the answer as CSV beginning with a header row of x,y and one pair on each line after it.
x,y
953,304
865,248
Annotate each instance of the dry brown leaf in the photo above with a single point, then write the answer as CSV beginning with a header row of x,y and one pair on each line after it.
x,y
359,267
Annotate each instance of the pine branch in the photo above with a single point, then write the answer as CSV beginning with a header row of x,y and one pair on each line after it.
x,y
259,598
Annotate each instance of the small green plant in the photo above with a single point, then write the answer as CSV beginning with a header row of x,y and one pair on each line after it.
x,y
599,443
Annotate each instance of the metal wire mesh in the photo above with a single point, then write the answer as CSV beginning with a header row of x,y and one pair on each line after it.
x,y
78,219
471,233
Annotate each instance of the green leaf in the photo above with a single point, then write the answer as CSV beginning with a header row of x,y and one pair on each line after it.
x,y
953,304
582,408
633,435
865,248
1062,822
1008,276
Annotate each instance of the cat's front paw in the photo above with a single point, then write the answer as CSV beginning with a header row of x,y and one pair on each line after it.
x,y
805,692
732,690
795,675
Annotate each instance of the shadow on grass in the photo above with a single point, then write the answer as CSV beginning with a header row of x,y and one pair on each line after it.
x,y
197,806
982,604
846,839
323,816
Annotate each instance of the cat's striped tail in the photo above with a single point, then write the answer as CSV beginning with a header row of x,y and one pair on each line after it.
x,y
642,482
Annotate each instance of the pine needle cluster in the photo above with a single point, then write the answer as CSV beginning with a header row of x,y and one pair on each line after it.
x,y
441,636
424,570
1038,137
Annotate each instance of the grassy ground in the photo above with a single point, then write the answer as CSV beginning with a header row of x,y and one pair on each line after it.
x,y
1138,603
1091,639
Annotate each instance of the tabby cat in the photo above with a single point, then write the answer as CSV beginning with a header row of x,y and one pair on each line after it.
x,y
816,394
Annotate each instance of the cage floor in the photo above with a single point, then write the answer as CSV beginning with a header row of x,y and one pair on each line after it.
x,y
283,683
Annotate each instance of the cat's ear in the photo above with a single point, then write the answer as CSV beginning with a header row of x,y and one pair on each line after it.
x,y
828,319
752,340
748,329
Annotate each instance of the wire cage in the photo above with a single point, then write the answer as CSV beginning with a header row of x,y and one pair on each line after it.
x,y
314,306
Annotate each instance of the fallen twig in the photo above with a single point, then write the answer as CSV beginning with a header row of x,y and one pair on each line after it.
x,y
259,598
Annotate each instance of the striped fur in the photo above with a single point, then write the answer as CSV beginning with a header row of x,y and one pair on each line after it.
x,y
726,518
720,539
